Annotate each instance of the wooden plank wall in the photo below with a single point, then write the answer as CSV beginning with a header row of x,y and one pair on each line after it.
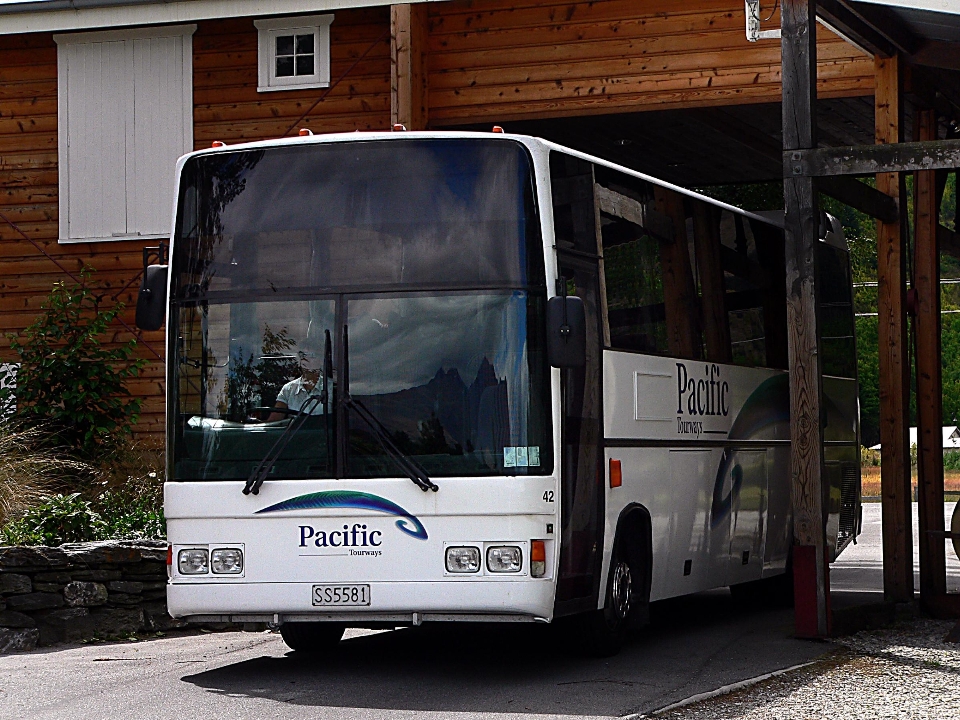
x,y
28,197
525,59
229,108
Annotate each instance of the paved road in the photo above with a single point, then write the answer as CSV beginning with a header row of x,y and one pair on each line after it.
x,y
693,645
860,567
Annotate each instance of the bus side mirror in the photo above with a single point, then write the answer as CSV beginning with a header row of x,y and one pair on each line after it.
x,y
566,332
152,298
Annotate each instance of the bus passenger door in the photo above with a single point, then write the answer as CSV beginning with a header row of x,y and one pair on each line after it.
x,y
581,493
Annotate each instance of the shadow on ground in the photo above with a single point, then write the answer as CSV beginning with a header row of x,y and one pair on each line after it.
x,y
692,645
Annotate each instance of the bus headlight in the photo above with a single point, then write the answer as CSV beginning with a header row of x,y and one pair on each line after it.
x,y
504,559
227,561
463,559
193,561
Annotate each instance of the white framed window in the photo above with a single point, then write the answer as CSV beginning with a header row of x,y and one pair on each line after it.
x,y
124,116
293,53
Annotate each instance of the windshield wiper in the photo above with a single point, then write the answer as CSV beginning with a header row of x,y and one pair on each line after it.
x,y
263,468
410,467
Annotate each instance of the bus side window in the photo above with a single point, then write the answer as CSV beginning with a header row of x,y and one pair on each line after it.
x,y
837,346
648,260
747,284
634,284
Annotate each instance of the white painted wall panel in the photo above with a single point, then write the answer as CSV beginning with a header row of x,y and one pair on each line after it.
x,y
159,132
97,100
126,112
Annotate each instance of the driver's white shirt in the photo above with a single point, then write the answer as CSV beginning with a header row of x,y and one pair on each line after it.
x,y
295,394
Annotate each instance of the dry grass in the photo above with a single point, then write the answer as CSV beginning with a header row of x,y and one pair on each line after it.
x,y
870,481
30,470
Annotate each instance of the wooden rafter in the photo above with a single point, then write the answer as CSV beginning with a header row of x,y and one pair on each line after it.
x,y
872,159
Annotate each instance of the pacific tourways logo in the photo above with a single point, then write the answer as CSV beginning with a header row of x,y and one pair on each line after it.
x,y
700,397
352,538
358,535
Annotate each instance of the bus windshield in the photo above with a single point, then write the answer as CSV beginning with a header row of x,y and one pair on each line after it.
x,y
423,261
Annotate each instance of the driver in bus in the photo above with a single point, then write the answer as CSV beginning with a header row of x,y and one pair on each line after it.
x,y
302,390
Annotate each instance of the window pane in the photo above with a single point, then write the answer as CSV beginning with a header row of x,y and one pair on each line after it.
x,y
837,346
305,44
285,45
236,361
285,66
305,65
450,212
634,290
458,382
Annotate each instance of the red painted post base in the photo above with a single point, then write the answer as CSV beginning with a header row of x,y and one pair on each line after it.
x,y
810,620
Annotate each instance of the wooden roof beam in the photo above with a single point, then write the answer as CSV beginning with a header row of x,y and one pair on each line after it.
x,y
872,159
838,16
861,196
881,21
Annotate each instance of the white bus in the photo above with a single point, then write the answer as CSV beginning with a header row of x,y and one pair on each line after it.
x,y
455,376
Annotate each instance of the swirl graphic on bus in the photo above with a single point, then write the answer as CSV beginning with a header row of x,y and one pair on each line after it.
x,y
330,499
767,406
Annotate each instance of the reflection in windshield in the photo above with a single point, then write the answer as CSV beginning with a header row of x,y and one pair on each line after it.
x,y
236,361
458,381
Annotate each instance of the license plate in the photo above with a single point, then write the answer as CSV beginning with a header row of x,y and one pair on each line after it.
x,y
350,595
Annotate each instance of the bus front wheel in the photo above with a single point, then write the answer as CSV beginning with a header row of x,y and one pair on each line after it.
x,y
311,637
603,631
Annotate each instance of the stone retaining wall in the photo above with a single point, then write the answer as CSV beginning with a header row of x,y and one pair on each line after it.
x,y
81,591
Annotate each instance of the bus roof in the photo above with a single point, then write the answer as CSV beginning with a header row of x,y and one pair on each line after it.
x,y
530,141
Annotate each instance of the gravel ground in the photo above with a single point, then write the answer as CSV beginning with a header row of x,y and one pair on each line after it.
x,y
905,672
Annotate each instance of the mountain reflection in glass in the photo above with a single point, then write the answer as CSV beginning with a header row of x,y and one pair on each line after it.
x,y
448,377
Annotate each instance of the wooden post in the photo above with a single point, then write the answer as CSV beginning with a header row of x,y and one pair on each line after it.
x,y
894,369
408,71
933,570
798,22
716,323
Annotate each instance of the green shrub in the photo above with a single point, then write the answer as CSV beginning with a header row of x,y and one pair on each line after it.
x,y
57,519
133,512
67,380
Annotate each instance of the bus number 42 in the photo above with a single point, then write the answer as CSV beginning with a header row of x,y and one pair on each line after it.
x,y
548,495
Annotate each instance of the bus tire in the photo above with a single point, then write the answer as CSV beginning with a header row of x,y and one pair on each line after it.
x,y
311,637
603,631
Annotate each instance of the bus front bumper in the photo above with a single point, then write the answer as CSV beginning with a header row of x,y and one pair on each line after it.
x,y
484,599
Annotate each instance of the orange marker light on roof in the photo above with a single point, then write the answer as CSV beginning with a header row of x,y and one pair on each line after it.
x,y
305,132
616,474
497,129
217,143
538,558
399,128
